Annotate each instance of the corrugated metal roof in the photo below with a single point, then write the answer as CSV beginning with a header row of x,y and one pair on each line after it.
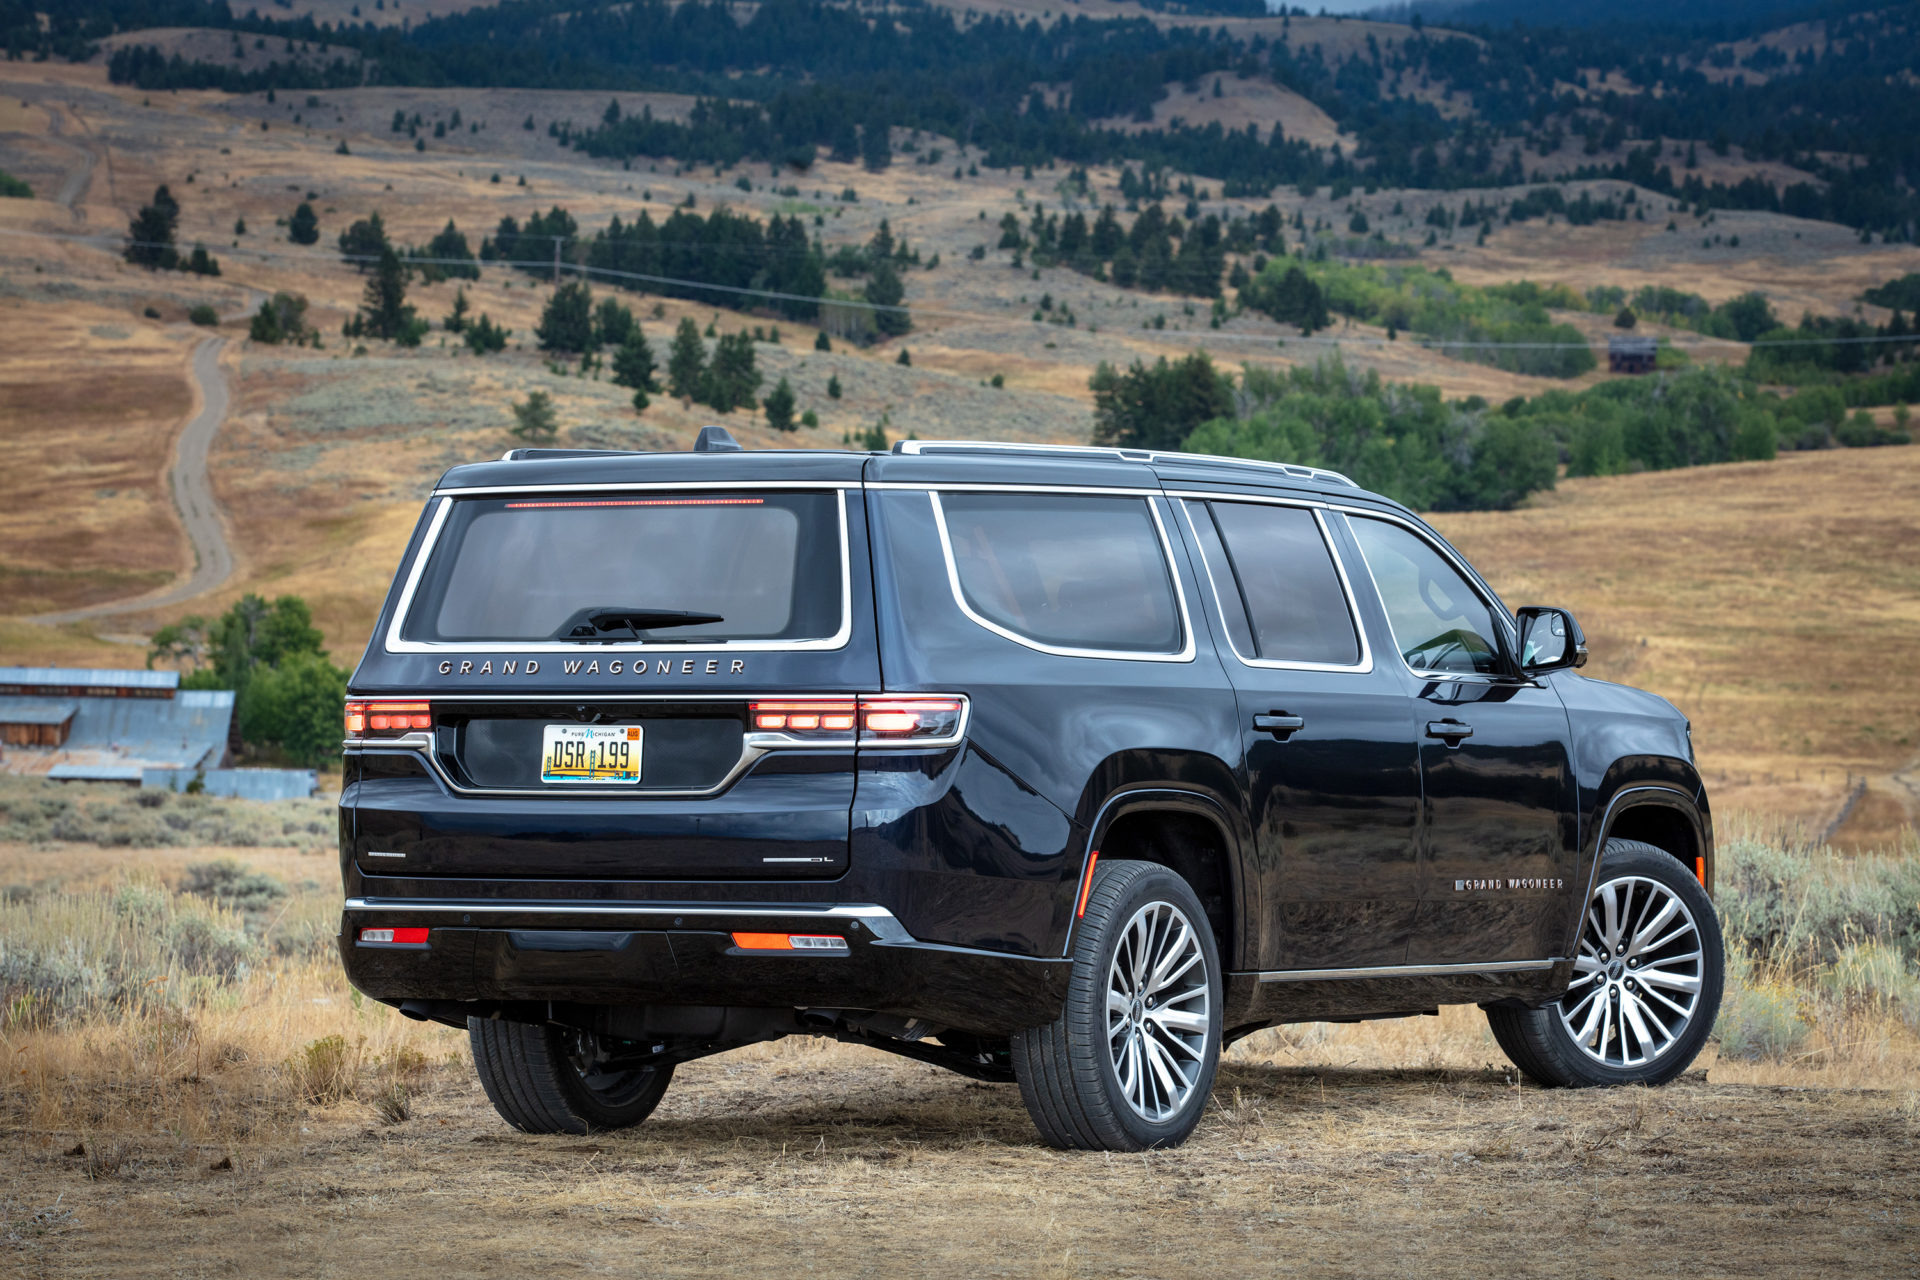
x,y
186,732
35,711
113,678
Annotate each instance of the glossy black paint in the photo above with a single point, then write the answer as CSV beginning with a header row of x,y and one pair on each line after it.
x,y
1336,845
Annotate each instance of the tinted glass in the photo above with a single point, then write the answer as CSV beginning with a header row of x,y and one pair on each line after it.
x,y
523,568
1226,589
1076,572
1438,621
1288,580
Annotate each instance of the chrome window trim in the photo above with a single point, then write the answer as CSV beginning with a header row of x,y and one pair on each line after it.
x,y
613,486
1406,971
1363,667
1152,500
1474,582
753,745
394,643
1501,613
1038,486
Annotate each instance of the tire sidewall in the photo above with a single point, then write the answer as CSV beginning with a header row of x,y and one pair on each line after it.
x,y
1156,884
1624,858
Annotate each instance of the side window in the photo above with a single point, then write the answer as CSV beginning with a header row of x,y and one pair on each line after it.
x,y
1278,562
1066,570
1439,622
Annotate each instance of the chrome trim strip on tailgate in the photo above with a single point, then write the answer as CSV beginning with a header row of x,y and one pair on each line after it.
x,y
885,927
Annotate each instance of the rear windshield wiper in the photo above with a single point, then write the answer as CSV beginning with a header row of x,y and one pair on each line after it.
x,y
616,622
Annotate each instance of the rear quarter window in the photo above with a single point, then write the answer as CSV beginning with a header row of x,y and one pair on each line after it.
x,y
521,568
1064,571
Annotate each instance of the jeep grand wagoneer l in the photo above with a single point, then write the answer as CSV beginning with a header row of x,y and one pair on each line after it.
x,y
1058,766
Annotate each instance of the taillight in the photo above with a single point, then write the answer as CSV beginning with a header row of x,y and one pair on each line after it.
x,y
828,717
904,718
910,718
383,718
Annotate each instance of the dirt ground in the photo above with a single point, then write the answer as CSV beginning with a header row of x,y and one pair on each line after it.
x,y
802,1160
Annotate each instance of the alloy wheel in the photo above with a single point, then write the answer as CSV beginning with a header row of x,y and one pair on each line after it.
x,y
1638,974
1158,1011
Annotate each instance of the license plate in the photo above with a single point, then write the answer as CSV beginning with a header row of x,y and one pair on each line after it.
x,y
591,753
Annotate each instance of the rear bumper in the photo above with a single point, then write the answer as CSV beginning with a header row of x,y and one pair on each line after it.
x,y
634,953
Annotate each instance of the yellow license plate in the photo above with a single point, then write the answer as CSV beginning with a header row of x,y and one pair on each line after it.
x,y
606,755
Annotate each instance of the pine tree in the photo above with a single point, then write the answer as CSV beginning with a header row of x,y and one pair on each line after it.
x,y
833,387
885,291
384,307
567,322
779,406
732,378
304,226
821,342
633,366
150,234
686,361
456,321
535,421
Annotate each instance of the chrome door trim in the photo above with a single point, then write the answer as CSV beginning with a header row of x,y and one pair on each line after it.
x,y
1407,971
1152,498
838,640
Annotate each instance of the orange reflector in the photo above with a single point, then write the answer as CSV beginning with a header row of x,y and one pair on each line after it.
x,y
1700,871
1086,884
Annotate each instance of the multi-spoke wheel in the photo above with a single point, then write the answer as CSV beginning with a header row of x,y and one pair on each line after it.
x,y
1129,1063
1646,983
548,1079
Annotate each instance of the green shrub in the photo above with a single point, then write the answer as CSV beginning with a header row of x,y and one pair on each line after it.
x,y
1758,1018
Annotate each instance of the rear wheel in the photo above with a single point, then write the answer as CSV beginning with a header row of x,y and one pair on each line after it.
x,y
547,1079
1129,1063
1646,986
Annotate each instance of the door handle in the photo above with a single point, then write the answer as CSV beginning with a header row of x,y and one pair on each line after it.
x,y
1452,730
1280,725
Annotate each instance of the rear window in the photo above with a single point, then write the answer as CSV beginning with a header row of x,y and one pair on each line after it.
x,y
1065,570
533,568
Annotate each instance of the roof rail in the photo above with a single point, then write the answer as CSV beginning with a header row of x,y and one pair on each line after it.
x,y
533,455
1298,472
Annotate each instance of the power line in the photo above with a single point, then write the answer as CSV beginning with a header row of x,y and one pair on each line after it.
x,y
1219,335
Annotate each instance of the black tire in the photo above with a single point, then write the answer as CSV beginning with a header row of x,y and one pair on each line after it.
x,y
1548,1050
1067,1071
533,1074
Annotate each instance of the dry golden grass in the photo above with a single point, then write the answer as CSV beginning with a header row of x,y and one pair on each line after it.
x,y
1775,603
282,1120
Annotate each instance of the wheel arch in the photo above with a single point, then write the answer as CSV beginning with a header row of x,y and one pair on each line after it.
x,y
1658,814
1188,832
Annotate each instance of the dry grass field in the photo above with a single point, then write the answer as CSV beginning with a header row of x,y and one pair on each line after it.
x,y
260,1117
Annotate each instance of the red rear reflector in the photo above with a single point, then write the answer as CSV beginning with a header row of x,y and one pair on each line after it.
x,y
804,715
405,935
1086,884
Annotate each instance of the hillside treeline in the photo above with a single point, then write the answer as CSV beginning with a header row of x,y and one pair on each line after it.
x,y
1409,443
821,77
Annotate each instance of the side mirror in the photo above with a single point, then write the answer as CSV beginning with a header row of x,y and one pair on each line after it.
x,y
1550,640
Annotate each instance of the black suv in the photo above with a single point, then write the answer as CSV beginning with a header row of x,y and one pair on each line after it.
x,y
1065,766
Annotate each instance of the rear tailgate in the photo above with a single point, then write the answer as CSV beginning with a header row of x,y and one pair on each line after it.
x,y
530,706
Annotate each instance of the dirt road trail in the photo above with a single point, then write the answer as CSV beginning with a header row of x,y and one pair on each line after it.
x,y
846,1163
193,499
73,188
